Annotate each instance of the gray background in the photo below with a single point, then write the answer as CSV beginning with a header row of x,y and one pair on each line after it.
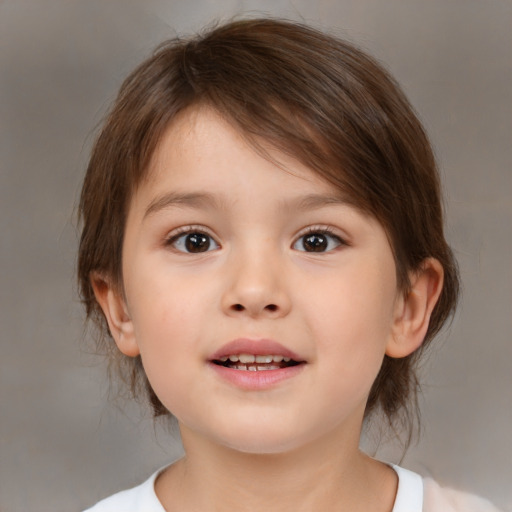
x,y
63,443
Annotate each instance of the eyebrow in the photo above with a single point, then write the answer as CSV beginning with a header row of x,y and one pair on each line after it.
x,y
316,201
200,200
204,201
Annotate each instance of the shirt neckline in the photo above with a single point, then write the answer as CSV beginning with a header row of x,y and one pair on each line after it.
x,y
409,495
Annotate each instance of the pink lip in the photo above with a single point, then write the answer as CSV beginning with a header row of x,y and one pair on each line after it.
x,y
255,380
258,347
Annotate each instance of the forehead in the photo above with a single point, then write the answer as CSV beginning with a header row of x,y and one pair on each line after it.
x,y
200,150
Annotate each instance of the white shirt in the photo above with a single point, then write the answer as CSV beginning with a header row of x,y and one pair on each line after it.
x,y
414,494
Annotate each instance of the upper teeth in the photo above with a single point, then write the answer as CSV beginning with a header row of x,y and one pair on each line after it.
x,y
251,358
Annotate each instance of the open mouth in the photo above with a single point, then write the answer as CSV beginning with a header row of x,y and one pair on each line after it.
x,y
254,363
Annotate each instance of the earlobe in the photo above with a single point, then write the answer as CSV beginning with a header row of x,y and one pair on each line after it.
x,y
118,318
413,311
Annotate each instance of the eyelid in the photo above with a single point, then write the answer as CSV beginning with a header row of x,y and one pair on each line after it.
x,y
178,232
323,229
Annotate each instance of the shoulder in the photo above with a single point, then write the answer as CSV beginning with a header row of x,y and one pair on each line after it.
x,y
417,494
137,499
437,498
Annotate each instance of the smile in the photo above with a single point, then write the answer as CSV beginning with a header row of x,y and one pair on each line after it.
x,y
252,362
255,364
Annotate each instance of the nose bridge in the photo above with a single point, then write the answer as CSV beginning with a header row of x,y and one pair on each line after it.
x,y
256,280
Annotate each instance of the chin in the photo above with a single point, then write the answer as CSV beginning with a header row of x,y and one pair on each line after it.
x,y
258,440
258,431
253,447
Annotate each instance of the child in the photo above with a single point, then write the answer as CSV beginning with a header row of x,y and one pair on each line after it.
x,y
263,241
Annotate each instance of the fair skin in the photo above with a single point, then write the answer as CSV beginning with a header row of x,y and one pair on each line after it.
x,y
227,253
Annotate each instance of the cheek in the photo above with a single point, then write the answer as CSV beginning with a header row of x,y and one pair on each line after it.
x,y
169,314
351,305
163,300
164,324
351,318
167,345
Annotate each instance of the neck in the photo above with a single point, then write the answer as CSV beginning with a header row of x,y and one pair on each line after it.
x,y
325,475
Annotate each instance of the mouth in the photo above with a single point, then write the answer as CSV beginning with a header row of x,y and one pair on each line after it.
x,y
256,363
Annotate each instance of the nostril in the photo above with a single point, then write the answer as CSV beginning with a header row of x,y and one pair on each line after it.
x,y
268,307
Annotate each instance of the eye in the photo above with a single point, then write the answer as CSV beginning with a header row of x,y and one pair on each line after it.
x,y
317,241
193,242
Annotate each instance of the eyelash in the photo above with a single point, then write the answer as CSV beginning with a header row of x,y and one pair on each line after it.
x,y
320,230
182,232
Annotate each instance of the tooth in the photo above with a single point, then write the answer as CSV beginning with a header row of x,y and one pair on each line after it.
x,y
241,367
246,358
252,368
233,359
286,359
263,359
277,359
223,359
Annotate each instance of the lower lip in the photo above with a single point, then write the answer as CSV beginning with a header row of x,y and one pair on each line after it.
x,y
256,380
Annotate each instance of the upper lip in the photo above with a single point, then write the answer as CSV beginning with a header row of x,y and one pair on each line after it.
x,y
257,347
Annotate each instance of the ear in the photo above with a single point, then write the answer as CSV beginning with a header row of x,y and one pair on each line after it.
x,y
114,308
413,311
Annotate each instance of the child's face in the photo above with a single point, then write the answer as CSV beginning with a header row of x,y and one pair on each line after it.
x,y
226,253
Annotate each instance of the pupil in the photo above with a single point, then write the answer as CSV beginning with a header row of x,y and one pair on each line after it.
x,y
197,242
315,243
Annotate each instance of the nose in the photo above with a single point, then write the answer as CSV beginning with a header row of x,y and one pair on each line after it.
x,y
255,287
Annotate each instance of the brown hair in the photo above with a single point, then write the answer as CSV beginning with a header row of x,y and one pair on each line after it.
x,y
307,94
